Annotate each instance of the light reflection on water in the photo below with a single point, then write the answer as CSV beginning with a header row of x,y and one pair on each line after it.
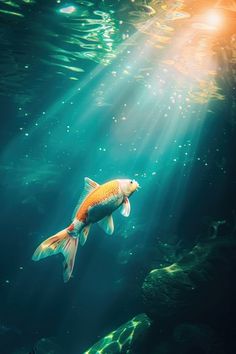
x,y
64,41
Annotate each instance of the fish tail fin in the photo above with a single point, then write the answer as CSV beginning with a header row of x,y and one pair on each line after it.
x,y
63,243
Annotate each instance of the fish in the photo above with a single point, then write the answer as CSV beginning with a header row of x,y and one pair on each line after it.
x,y
96,205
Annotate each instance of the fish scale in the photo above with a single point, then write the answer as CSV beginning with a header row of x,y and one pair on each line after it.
x,y
98,196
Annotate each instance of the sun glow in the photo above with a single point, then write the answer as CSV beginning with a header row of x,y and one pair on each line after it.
x,y
210,21
214,19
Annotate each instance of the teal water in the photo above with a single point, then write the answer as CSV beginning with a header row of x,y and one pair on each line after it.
x,y
122,89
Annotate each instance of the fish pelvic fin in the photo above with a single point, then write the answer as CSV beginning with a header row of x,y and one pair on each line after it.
x,y
63,243
107,224
84,234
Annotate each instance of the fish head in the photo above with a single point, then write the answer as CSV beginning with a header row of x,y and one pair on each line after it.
x,y
128,186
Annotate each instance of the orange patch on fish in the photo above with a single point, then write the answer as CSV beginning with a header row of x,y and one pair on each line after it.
x,y
96,197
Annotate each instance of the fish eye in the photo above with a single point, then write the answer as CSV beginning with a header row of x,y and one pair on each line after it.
x,y
131,181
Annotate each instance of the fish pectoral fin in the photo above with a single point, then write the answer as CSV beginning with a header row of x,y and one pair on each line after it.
x,y
125,207
84,234
107,224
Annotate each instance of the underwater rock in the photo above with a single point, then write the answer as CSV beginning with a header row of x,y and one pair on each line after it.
x,y
198,337
191,338
124,339
195,287
214,227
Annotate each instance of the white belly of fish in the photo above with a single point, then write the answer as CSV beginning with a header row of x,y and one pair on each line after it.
x,y
99,211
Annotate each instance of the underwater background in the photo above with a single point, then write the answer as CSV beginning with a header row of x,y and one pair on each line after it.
x,y
119,89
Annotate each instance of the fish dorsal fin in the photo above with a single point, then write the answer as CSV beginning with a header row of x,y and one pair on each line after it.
x,y
125,207
89,186
107,224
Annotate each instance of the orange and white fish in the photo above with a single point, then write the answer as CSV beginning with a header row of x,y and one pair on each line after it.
x,y
96,204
